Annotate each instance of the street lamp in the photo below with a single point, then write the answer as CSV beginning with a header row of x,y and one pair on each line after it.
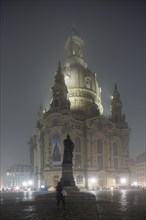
x,y
135,183
24,184
93,181
30,183
123,181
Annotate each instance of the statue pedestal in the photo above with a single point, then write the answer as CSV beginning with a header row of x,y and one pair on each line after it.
x,y
67,178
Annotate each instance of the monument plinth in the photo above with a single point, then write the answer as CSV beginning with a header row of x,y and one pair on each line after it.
x,y
67,178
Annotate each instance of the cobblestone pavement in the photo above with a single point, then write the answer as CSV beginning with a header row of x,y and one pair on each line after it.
x,y
109,205
121,205
44,208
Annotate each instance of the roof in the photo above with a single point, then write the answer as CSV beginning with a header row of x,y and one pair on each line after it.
x,y
19,168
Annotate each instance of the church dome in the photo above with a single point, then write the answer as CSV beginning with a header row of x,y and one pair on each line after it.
x,y
81,82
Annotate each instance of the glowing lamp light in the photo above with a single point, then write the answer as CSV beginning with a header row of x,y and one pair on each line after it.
x,y
123,180
135,183
24,184
30,182
93,180
17,187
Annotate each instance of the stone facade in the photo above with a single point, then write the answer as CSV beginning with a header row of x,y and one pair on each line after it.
x,y
18,177
138,171
101,151
141,170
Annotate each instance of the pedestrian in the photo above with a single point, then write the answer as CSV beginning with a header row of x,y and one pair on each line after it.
x,y
59,195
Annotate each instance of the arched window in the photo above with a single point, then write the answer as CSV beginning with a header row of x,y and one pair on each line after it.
x,y
79,179
77,145
99,147
77,155
115,149
99,154
56,149
115,156
55,122
88,82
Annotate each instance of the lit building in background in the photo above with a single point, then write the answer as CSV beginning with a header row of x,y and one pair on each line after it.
x,y
138,171
101,154
18,177
141,170
132,171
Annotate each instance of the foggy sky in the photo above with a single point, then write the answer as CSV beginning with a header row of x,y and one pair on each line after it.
x,y
33,35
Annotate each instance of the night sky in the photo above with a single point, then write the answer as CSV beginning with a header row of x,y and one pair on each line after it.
x,y
33,35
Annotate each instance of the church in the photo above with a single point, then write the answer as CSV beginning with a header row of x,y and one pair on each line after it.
x,y
101,144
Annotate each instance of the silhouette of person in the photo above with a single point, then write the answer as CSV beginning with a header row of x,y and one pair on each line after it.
x,y
68,150
59,195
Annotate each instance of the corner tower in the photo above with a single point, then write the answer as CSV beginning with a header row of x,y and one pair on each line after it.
x,y
59,101
83,90
116,109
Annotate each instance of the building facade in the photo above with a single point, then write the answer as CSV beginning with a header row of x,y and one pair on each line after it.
x,y
18,177
138,171
101,152
141,170
132,171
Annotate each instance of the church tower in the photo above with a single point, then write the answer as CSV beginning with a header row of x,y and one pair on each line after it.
x,y
59,101
116,108
83,90
101,144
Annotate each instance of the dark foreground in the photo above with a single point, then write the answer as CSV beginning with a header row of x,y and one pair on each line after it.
x,y
116,205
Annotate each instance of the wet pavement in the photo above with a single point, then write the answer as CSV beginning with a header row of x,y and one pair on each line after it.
x,y
121,204
79,206
109,205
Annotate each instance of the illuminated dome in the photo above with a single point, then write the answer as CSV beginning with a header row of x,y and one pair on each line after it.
x,y
83,90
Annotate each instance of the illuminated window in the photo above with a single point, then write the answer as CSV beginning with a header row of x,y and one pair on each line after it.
x,y
88,82
79,179
56,151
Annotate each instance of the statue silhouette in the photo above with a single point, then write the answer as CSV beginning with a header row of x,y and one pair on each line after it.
x,y
68,150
